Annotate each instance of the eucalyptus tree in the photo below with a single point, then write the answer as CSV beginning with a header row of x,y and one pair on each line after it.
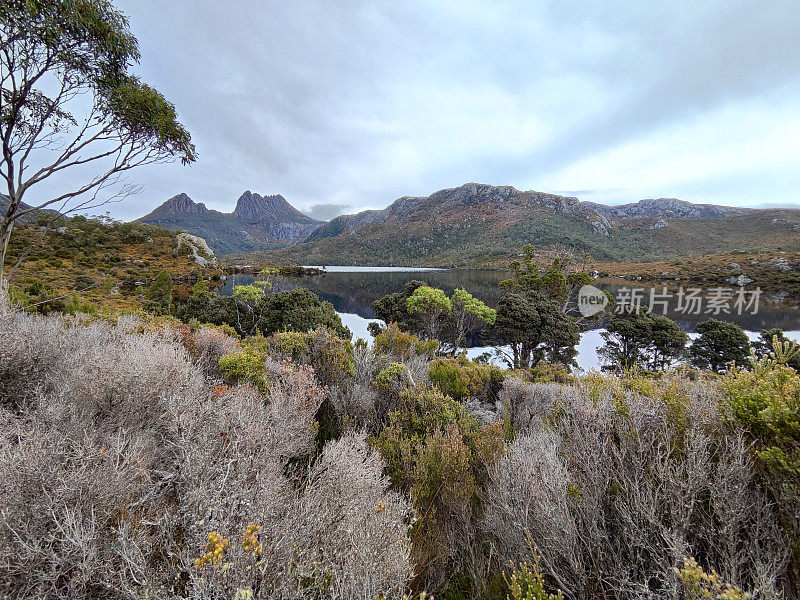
x,y
72,114
560,280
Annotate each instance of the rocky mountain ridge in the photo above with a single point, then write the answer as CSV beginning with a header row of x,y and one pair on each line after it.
x,y
663,208
257,222
477,224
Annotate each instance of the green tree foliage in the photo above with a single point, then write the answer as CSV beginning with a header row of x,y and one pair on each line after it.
x,y
253,292
393,308
450,320
467,315
57,57
260,313
428,312
158,297
535,328
298,310
667,342
432,305
720,344
559,281
206,307
636,338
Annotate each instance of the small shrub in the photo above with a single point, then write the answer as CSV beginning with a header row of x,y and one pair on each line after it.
x,y
392,379
438,453
525,583
158,297
700,585
392,340
329,355
83,282
247,365
461,378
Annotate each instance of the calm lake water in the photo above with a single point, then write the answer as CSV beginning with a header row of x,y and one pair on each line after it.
x,y
352,290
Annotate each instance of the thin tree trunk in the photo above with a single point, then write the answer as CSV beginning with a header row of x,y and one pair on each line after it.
x,y
5,237
8,224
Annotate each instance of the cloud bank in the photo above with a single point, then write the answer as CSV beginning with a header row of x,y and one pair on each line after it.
x,y
348,105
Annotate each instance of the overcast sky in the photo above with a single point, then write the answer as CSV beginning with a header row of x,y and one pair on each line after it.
x,y
345,105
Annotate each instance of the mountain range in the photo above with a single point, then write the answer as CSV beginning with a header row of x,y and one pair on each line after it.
x,y
478,225
257,222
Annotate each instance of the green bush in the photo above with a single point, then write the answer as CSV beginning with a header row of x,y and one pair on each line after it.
x,y
461,378
158,297
249,364
83,282
525,583
76,305
765,401
437,453
329,355
392,379
393,340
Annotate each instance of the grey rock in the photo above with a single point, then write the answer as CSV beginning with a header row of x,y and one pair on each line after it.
x,y
780,264
739,280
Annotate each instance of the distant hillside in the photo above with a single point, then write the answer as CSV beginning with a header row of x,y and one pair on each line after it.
x,y
482,225
30,217
257,222
662,208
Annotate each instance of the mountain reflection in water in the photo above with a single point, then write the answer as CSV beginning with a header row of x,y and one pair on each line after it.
x,y
353,290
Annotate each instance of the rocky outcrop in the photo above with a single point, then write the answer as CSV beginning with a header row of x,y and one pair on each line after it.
x,y
197,247
780,264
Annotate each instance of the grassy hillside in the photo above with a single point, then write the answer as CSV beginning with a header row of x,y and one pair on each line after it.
x,y
485,241
480,225
96,262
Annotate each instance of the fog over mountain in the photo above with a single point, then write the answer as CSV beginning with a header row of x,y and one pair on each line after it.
x,y
345,106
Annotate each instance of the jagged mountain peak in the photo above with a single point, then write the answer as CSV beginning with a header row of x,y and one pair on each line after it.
x,y
178,205
257,222
253,207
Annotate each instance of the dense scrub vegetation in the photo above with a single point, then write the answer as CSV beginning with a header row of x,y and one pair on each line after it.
x,y
165,459
83,264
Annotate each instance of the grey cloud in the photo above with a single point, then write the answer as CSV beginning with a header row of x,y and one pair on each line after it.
x,y
325,212
357,103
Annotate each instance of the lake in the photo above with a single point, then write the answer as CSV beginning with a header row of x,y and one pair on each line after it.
x,y
352,290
